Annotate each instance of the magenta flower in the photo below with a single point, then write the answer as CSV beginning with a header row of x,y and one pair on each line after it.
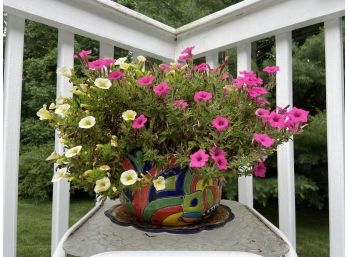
x,y
254,92
139,122
165,67
263,114
202,96
216,152
260,169
188,50
100,63
263,139
85,53
276,120
249,78
146,80
294,127
184,57
116,75
221,163
271,69
201,67
181,104
225,76
198,159
220,123
261,101
162,89
298,115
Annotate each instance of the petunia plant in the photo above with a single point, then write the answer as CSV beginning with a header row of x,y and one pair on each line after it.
x,y
181,113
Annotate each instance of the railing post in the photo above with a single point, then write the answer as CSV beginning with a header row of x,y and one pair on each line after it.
x,y
61,194
245,183
335,133
285,154
12,115
106,50
212,58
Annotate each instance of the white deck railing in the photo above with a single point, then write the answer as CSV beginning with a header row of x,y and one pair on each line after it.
x,y
235,26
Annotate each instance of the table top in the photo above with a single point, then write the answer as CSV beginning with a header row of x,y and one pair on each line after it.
x,y
245,233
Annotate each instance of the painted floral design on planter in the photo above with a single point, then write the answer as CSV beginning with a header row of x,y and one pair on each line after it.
x,y
184,200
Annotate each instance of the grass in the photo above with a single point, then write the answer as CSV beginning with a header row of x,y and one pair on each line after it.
x,y
34,227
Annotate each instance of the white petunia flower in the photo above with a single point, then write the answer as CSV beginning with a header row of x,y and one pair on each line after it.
x,y
121,60
129,177
104,167
64,71
87,122
102,83
159,183
129,115
43,113
60,174
52,106
62,109
73,151
53,156
102,185
141,59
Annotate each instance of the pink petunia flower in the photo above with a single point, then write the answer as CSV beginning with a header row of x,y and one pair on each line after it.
x,y
261,101
263,139
85,53
220,123
146,80
139,122
221,163
165,67
216,152
225,76
201,67
294,127
188,50
184,57
263,114
260,169
202,96
298,115
276,120
198,159
271,69
181,104
100,64
255,92
162,89
116,75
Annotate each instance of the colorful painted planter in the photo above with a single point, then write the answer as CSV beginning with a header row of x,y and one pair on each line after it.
x,y
185,199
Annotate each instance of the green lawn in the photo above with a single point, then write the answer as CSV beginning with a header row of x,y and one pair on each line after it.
x,y
34,227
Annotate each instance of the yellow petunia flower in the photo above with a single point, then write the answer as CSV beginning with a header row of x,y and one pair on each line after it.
x,y
129,115
102,83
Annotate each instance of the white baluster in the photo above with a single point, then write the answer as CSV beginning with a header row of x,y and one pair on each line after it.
x,y
12,115
335,133
106,50
212,58
285,154
245,184
61,194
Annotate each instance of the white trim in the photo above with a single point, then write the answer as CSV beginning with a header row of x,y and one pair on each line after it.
x,y
98,21
175,254
61,194
285,152
263,20
245,183
106,50
12,115
335,134
59,252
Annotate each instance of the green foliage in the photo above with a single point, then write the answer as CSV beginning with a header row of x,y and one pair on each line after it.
x,y
35,174
35,133
266,190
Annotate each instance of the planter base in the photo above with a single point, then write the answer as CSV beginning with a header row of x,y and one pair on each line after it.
x,y
219,218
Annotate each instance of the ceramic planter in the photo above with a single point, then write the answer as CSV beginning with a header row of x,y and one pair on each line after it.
x,y
185,199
